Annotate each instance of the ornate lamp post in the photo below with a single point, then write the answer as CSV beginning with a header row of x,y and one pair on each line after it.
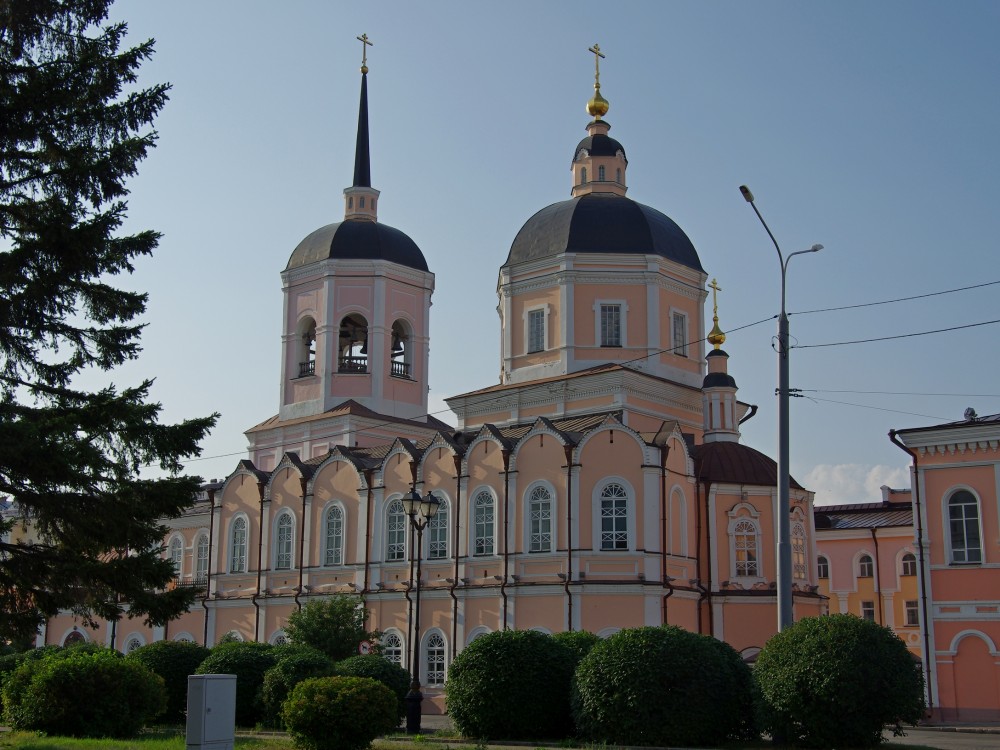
x,y
784,583
420,511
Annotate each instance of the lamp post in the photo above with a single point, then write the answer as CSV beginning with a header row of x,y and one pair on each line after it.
x,y
784,547
420,511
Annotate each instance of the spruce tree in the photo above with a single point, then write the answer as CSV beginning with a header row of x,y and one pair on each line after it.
x,y
73,129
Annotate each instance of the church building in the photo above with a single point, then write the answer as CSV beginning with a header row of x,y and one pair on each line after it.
x,y
600,484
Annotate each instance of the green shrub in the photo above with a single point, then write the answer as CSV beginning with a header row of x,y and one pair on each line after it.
x,y
512,684
379,668
836,681
579,641
294,665
657,686
174,661
335,626
249,662
83,694
12,662
339,713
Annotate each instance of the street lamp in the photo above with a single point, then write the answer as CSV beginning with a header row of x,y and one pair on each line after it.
x,y
420,511
784,583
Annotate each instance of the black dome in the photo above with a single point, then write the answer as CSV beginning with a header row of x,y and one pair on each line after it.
x,y
361,240
602,223
600,145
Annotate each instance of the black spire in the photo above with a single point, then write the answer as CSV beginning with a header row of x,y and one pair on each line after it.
x,y
362,161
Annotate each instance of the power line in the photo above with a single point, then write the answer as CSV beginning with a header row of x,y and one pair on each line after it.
x,y
899,299
901,393
898,336
875,408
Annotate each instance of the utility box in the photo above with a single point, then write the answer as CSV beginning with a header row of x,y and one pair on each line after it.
x,y
211,711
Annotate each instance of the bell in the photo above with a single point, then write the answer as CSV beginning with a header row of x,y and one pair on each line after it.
x,y
397,343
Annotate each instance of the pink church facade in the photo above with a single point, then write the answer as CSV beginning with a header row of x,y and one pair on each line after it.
x,y
601,484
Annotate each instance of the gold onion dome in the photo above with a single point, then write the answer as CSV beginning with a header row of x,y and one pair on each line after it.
x,y
597,107
715,337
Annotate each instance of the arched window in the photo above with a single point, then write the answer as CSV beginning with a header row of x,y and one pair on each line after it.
x,y
822,567
279,638
798,551
484,523
540,520
909,564
361,201
618,175
334,536
201,560
75,636
353,344
583,175
434,655
437,532
283,542
307,347
132,643
392,649
238,546
600,173
176,555
866,568
614,517
400,350
395,532
964,528
745,539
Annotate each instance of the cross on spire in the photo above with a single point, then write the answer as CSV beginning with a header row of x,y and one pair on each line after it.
x,y
596,49
365,44
714,286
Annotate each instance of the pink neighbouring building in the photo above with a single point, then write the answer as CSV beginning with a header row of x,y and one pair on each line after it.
x,y
601,484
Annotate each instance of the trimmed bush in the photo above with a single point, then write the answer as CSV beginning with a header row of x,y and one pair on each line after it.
x,y
579,641
378,668
335,626
249,662
339,713
836,681
174,661
294,665
83,694
512,684
658,686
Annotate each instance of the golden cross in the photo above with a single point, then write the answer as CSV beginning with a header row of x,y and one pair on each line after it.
x,y
365,44
596,49
714,286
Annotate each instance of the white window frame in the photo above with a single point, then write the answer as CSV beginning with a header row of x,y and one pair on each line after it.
x,y
231,546
823,565
597,504
396,532
388,648
531,545
528,341
745,517
905,563
911,613
438,532
868,610
681,317
866,561
954,553
599,306
137,638
277,547
175,553
338,544
202,563
436,639
489,526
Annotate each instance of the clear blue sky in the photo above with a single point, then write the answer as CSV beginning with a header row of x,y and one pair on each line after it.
x,y
868,127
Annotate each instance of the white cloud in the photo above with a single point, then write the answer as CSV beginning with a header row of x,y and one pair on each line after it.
x,y
836,484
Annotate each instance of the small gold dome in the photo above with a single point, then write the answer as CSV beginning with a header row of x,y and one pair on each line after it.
x,y
597,107
364,70
716,337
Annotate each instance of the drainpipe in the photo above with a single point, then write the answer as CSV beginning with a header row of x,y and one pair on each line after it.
x,y
918,515
260,553
208,573
302,544
664,578
568,449
369,478
505,453
697,558
707,592
878,579
454,581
